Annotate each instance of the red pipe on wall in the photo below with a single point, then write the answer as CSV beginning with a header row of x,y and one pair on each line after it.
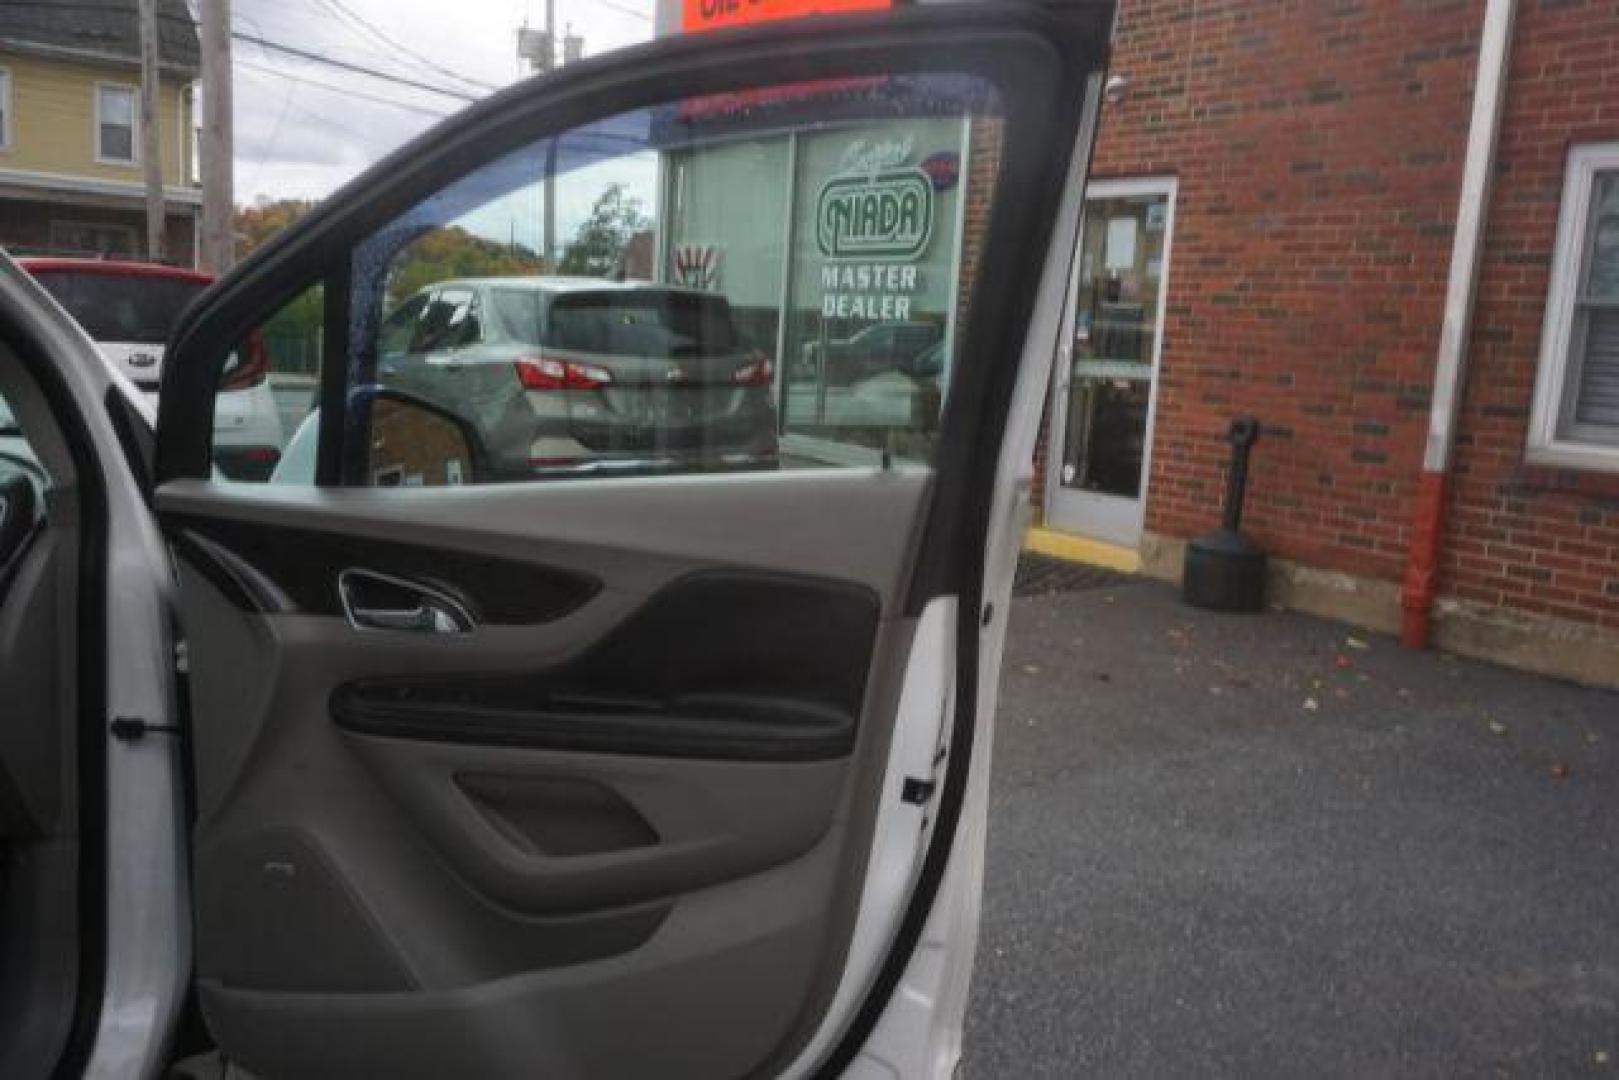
x,y
1421,583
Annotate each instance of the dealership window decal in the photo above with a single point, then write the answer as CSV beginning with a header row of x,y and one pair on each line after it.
x,y
1575,420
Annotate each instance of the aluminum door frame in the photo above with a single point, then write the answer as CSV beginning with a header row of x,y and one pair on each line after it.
x,y
1112,519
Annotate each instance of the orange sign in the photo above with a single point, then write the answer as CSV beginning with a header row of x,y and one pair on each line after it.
x,y
700,15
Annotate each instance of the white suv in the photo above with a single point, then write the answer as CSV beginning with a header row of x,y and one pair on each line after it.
x,y
129,308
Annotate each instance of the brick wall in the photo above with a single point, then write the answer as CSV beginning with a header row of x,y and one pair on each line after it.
x,y
1318,146
1534,539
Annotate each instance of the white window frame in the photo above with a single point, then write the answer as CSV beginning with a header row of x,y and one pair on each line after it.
x,y
134,158
8,116
1547,444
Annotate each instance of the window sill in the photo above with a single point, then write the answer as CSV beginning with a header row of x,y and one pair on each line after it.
x,y
1571,468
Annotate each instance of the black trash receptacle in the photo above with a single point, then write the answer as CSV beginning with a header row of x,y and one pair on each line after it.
x,y
1224,570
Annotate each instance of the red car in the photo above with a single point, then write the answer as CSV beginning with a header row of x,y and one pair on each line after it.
x,y
128,309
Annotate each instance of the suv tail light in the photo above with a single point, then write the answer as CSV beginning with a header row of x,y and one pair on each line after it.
x,y
544,373
250,366
758,371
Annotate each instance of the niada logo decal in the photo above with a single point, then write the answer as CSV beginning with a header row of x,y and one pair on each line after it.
x,y
882,215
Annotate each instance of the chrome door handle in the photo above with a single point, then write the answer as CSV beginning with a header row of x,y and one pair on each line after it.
x,y
374,601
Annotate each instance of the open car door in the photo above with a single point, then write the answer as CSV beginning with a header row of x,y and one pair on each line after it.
x,y
600,687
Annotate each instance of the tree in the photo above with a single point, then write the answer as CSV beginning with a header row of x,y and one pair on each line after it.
x,y
257,224
599,247
453,252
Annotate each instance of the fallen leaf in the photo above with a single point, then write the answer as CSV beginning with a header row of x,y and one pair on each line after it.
x,y
1558,771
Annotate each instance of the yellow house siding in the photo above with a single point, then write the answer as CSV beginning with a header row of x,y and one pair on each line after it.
x,y
53,119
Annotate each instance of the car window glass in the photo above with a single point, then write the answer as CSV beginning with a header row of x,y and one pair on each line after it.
x,y
268,394
740,282
136,308
17,456
400,327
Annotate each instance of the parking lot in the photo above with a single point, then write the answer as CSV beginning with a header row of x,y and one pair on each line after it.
x,y
1268,845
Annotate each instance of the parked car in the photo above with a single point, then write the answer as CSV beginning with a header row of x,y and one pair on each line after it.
x,y
129,308
580,376
889,346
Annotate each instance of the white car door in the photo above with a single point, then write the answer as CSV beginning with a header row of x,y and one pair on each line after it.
x,y
668,774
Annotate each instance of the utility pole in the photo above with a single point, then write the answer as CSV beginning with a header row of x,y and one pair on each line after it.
x,y
217,143
151,135
539,48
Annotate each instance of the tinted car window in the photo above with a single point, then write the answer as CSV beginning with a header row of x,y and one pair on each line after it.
x,y
122,307
653,324
517,314
449,322
398,329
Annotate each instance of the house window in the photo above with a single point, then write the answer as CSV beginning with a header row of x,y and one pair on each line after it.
x,y
5,109
1576,415
115,124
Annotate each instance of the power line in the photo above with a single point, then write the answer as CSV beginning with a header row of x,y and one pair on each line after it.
x,y
622,10
282,73
354,69
345,12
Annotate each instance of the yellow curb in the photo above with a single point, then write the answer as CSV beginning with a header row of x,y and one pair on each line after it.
x,y
1080,549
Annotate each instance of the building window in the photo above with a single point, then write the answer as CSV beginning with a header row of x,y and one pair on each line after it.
x,y
5,109
94,239
115,124
1576,414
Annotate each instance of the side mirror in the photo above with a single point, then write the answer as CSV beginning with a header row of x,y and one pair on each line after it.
x,y
417,443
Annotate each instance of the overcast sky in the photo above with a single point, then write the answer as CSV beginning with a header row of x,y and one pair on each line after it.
x,y
303,128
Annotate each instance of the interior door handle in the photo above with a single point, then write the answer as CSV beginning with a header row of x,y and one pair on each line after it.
x,y
374,601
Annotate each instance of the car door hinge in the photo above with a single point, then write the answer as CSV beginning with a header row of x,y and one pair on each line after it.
x,y
132,728
918,792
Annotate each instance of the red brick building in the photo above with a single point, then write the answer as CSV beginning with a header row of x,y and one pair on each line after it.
x,y
1272,218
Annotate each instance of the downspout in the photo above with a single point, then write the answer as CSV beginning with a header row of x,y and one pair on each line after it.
x,y
1489,89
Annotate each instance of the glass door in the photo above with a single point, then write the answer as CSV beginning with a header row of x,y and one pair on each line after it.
x,y
1102,423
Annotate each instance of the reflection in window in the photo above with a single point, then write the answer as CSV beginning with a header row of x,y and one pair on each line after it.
x,y
748,282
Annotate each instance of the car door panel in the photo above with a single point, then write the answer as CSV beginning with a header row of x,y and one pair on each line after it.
x,y
388,787
617,823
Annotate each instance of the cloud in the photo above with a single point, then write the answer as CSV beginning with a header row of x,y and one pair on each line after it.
x,y
303,129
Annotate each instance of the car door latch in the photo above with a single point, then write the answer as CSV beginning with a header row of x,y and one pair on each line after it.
x,y
918,792
133,728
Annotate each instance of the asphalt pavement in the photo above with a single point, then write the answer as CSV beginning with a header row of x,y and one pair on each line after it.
x,y
1271,845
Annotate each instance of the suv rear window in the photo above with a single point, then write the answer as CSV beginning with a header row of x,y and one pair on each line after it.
x,y
656,325
121,307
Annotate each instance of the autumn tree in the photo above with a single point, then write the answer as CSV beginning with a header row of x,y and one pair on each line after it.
x,y
257,224
453,252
